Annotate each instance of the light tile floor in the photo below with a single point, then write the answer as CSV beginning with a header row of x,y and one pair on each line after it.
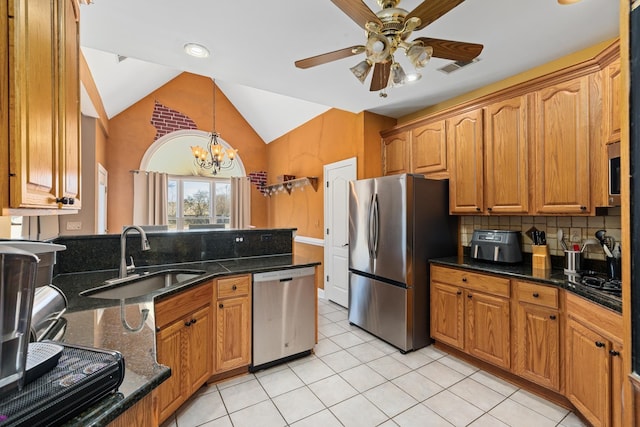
x,y
354,379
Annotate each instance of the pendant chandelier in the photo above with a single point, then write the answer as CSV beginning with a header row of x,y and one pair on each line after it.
x,y
214,156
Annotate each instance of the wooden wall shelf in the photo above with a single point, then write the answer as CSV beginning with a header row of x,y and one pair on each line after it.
x,y
289,186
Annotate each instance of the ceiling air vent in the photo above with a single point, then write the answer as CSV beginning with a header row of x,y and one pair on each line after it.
x,y
450,68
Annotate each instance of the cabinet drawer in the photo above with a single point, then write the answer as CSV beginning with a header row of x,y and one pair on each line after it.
x,y
478,282
532,293
233,286
175,307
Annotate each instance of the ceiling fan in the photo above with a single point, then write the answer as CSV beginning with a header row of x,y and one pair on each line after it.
x,y
386,32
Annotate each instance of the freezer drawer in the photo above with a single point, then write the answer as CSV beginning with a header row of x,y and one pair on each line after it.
x,y
283,314
382,309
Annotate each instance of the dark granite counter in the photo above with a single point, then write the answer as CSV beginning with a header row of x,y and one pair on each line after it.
x,y
96,322
555,277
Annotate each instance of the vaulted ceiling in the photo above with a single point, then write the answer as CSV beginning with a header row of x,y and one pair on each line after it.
x,y
254,45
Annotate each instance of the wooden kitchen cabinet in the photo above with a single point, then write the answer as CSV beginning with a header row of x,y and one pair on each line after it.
x,y
506,156
43,154
561,144
429,149
233,323
184,327
482,302
395,154
465,145
536,332
593,368
611,102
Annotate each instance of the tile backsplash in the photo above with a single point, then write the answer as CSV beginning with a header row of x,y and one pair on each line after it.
x,y
576,229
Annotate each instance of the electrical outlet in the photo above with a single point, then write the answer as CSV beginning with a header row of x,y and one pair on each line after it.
x,y
74,225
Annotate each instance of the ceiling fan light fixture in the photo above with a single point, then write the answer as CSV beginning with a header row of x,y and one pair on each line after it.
x,y
413,77
419,55
196,50
397,77
377,48
361,70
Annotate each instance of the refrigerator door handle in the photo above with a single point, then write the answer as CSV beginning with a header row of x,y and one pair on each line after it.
x,y
376,227
370,229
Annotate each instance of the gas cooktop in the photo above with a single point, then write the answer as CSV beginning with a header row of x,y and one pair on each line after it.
x,y
600,282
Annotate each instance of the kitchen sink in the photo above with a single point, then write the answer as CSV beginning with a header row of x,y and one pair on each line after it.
x,y
139,285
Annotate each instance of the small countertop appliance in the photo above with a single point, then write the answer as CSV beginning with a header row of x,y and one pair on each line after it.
x,y
496,246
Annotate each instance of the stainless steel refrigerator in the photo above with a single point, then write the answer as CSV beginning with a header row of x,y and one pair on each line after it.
x,y
396,223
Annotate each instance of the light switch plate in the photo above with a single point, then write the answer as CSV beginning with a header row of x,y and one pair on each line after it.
x,y
74,225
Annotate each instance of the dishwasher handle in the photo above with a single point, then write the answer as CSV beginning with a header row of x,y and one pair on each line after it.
x,y
283,275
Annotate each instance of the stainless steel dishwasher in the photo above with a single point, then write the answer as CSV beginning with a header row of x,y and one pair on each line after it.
x,y
284,314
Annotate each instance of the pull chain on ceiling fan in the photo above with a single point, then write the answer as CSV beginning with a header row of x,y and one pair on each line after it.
x,y
386,32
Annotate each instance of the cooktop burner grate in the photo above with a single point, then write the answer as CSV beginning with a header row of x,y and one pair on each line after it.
x,y
610,286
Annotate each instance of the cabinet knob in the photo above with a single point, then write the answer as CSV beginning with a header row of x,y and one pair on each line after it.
x,y
469,296
536,295
234,288
464,279
599,344
65,200
459,293
489,209
614,353
221,305
583,208
187,323
478,209
193,321
552,317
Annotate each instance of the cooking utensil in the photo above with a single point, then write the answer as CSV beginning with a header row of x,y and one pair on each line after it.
x,y
542,238
561,240
600,235
588,242
532,234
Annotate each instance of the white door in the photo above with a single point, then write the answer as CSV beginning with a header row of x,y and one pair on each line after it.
x,y
336,234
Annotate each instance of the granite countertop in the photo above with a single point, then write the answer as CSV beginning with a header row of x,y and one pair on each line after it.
x,y
96,322
554,277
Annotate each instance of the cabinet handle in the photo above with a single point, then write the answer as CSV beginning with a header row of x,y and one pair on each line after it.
x,y
221,305
188,323
552,317
464,279
193,321
599,344
536,295
614,353
583,208
459,293
489,209
478,209
234,288
65,200
469,296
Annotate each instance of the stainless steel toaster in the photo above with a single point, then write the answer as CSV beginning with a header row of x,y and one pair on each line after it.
x,y
496,246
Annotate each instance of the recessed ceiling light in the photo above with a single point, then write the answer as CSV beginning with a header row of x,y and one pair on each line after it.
x,y
197,50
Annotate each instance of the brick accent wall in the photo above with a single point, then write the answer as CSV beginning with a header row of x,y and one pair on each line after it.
x,y
167,120
259,179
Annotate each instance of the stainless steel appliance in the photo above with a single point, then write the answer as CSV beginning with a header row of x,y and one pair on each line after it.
x,y
613,151
284,315
496,246
396,223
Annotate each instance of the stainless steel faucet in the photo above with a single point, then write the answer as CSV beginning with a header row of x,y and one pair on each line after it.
x,y
124,268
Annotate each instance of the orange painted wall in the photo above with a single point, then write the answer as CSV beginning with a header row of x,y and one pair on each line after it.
x,y
131,133
333,136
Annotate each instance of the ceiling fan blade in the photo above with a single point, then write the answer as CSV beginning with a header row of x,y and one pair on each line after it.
x,y
430,10
380,77
449,49
358,11
329,56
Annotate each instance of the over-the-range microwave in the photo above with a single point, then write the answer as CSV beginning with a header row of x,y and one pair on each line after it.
x,y
613,151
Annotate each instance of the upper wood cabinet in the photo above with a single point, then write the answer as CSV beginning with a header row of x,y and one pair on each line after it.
x,y
429,149
561,144
395,154
506,156
44,106
465,144
611,102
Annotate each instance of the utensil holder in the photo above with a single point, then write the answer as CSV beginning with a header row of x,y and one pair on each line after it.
x,y
573,260
541,259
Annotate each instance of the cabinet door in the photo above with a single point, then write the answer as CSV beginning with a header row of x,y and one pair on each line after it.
x,y
33,150
429,148
199,347
69,104
506,156
611,102
618,379
447,311
172,392
537,345
465,144
588,373
395,154
233,335
562,148
487,333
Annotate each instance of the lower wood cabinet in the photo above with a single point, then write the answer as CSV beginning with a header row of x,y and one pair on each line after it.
x,y
536,332
233,323
594,362
447,314
487,323
184,343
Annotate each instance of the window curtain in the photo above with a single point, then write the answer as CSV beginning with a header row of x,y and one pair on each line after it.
x,y
240,202
150,198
